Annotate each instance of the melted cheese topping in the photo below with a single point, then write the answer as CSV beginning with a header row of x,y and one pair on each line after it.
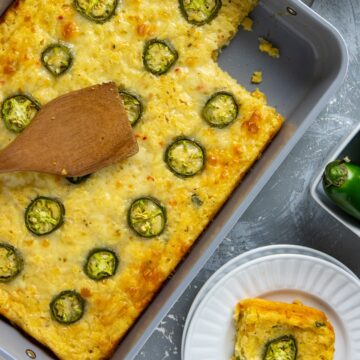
x,y
96,210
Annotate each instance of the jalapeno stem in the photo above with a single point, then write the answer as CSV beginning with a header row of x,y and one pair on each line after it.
x,y
341,182
336,173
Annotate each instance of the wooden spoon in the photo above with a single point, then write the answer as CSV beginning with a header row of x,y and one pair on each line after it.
x,y
74,135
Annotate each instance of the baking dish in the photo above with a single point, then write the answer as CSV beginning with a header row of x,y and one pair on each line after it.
x,y
347,147
312,66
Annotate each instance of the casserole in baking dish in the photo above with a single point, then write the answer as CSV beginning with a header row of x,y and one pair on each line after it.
x,y
81,258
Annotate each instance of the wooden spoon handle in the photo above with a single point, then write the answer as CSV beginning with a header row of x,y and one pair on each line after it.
x,y
9,163
19,157
74,135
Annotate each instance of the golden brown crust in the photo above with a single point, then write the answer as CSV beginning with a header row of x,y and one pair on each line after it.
x,y
297,312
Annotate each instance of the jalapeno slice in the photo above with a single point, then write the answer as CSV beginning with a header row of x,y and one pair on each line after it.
x,y
200,12
57,58
101,264
77,179
67,307
220,110
185,157
195,199
132,105
159,56
147,217
18,111
11,263
283,348
98,11
44,215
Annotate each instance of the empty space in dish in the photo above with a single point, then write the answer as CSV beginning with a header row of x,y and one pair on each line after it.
x,y
312,66
308,61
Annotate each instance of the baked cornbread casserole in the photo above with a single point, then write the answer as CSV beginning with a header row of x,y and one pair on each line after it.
x,y
268,330
80,258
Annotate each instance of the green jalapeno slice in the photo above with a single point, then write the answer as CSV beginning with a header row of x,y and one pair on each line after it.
x,y
77,179
147,217
185,157
196,200
283,348
11,263
101,264
132,105
98,11
57,58
18,111
200,12
44,215
67,307
220,110
159,56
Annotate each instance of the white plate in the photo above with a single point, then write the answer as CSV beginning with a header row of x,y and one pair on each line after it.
x,y
283,277
248,256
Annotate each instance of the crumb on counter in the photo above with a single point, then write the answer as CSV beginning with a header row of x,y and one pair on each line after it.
x,y
247,24
267,47
257,77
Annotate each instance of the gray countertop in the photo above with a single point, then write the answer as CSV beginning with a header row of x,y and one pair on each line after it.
x,y
293,216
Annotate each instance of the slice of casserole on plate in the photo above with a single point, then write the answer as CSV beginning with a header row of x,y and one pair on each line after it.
x,y
268,330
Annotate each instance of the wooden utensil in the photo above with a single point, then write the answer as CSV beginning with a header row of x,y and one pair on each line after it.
x,y
74,135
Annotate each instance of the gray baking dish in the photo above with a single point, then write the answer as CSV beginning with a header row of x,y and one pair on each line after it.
x,y
311,68
348,147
